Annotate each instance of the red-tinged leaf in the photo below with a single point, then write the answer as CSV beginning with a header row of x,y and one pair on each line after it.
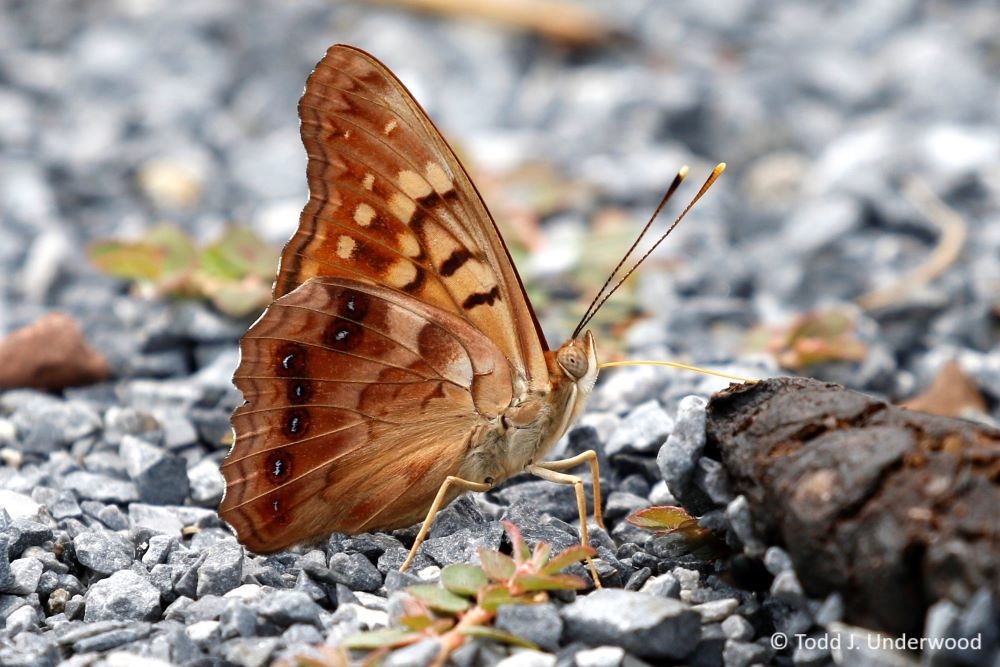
x,y
660,518
552,582
521,550
463,579
487,632
388,638
438,598
498,566
541,555
492,597
567,557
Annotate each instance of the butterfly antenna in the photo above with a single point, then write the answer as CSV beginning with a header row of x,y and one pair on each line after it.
x,y
712,178
678,179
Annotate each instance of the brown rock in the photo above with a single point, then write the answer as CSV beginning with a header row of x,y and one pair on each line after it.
x,y
50,354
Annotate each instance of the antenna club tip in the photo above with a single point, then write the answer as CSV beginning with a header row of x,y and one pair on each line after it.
x,y
719,168
683,171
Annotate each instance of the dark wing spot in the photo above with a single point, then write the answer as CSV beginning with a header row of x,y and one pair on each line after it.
x,y
479,298
299,392
279,514
343,335
291,359
417,282
296,423
455,261
433,198
352,304
278,466
429,200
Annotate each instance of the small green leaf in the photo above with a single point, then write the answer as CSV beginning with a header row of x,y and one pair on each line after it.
x,y
552,582
498,566
660,518
178,248
567,557
389,637
492,597
438,598
128,261
426,624
487,632
415,622
463,579
238,253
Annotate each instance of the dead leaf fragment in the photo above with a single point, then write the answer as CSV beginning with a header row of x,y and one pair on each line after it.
x,y
50,354
555,19
952,394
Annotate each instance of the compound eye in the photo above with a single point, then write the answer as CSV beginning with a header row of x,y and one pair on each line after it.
x,y
573,361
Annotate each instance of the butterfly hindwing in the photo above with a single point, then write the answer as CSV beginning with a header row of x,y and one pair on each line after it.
x,y
359,402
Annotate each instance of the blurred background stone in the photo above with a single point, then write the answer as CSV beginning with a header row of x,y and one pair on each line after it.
x,y
118,116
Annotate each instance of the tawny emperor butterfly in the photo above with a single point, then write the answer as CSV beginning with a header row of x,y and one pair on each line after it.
x,y
400,362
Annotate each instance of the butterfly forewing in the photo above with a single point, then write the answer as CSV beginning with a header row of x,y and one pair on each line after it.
x,y
390,202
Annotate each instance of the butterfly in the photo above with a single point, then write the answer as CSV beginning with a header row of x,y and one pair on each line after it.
x,y
400,363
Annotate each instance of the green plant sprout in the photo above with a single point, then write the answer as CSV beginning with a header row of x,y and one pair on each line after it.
x,y
466,601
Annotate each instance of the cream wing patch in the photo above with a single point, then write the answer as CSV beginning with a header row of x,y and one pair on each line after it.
x,y
438,179
364,214
403,272
345,247
402,207
413,184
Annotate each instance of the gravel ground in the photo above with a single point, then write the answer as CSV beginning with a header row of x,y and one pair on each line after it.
x,y
113,113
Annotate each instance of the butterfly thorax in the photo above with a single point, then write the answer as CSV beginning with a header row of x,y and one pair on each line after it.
x,y
524,433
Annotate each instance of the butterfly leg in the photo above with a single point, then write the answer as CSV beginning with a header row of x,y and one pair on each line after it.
x,y
439,501
590,457
581,504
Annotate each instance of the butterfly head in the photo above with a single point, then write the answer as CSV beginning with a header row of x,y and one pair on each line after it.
x,y
577,359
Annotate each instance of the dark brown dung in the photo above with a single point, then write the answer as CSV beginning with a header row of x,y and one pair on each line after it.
x,y
893,508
